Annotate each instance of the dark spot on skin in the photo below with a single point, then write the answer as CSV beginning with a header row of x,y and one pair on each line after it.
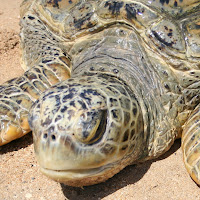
x,y
124,147
181,101
130,12
164,1
38,106
54,3
39,21
134,111
132,123
63,109
165,73
83,105
113,102
59,117
114,7
114,113
19,101
57,100
46,61
175,4
47,95
166,28
193,137
132,133
62,87
169,44
166,86
37,70
72,103
169,34
68,96
126,135
87,93
46,122
78,23
31,18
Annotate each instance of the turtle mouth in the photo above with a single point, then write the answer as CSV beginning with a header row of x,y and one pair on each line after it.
x,y
84,177
80,177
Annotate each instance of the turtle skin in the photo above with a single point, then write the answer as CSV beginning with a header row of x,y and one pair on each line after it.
x,y
107,84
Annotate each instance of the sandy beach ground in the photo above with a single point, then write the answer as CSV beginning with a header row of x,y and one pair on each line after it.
x,y
162,179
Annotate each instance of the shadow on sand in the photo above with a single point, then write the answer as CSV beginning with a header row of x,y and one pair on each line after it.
x,y
17,144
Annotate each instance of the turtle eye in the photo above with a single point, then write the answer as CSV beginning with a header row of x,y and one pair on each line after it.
x,y
92,126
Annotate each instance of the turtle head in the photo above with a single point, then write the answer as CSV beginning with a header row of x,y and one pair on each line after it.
x,y
86,130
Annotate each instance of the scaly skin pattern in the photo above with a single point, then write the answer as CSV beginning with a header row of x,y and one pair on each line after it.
x,y
134,86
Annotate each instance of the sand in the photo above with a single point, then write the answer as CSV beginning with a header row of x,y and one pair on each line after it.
x,y
165,178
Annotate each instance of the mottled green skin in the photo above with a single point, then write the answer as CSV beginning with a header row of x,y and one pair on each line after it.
x,y
134,86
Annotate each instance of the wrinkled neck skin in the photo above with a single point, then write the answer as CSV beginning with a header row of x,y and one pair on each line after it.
x,y
119,52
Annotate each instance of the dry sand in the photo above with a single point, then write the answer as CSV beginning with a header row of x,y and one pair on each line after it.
x,y
165,178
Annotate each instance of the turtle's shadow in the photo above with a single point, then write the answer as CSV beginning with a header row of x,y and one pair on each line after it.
x,y
17,144
129,175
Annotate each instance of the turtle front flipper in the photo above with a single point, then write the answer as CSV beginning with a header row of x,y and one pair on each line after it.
x,y
18,95
191,145
47,65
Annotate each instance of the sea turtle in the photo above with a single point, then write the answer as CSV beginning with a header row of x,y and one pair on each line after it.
x,y
108,83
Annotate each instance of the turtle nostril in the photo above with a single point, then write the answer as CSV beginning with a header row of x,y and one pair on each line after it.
x,y
53,137
45,136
